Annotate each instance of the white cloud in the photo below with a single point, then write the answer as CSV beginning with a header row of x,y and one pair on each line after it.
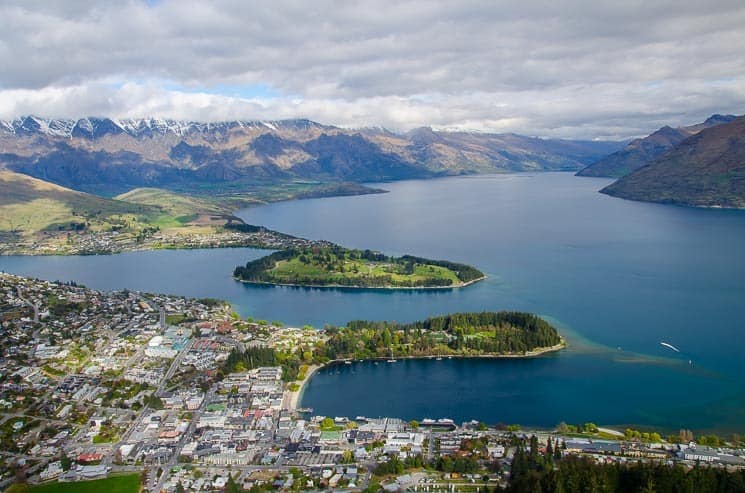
x,y
568,69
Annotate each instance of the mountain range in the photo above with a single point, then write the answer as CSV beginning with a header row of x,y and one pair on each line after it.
x,y
109,156
242,161
640,152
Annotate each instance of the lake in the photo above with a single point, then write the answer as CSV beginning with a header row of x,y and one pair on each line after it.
x,y
617,277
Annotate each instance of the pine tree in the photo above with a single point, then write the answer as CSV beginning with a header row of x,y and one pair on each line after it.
x,y
65,461
231,486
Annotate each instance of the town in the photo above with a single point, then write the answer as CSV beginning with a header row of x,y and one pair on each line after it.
x,y
188,396
235,234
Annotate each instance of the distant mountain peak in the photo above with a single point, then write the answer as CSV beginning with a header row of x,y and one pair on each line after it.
x,y
717,119
641,152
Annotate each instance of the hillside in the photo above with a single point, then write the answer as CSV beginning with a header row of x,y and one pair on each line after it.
x,y
29,205
174,203
109,157
706,170
641,152
38,217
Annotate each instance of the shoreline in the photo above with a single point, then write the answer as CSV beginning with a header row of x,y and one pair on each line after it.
x,y
341,286
132,250
295,397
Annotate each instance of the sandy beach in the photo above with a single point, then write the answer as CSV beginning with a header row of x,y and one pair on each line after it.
x,y
294,397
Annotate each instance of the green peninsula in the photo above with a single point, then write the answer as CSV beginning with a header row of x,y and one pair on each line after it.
x,y
335,266
502,333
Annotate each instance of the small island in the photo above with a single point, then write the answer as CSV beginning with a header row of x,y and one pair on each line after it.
x,y
495,334
335,266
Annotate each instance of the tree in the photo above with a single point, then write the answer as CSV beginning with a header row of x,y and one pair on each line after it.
x,y
231,486
414,424
65,461
686,436
373,487
649,487
155,402
557,450
591,428
533,450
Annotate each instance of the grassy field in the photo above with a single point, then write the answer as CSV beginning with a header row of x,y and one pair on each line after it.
x,y
28,206
176,205
244,192
129,483
32,208
347,269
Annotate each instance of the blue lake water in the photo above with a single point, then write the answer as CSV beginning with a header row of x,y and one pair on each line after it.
x,y
617,277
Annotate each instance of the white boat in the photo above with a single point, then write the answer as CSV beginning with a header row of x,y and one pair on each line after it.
x,y
391,361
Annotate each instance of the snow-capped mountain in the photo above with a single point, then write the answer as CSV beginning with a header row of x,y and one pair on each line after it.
x,y
93,127
114,155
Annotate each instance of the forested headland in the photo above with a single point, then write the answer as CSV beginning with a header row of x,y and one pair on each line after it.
x,y
458,334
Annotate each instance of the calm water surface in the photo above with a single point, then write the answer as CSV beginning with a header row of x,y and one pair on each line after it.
x,y
617,277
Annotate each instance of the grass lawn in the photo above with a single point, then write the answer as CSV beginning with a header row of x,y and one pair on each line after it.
x,y
288,270
129,483
30,207
175,318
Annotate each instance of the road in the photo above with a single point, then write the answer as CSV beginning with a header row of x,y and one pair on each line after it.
x,y
174,366
431,444
32,305
185,438
8,416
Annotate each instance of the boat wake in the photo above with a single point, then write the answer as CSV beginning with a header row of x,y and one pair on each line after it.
x,y
670,346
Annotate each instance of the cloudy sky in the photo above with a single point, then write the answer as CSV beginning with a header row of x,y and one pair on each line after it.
x,y
561,69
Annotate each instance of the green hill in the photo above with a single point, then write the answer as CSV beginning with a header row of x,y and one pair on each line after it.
x,y
29,205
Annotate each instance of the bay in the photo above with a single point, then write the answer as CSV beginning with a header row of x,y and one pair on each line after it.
x,y
617,277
